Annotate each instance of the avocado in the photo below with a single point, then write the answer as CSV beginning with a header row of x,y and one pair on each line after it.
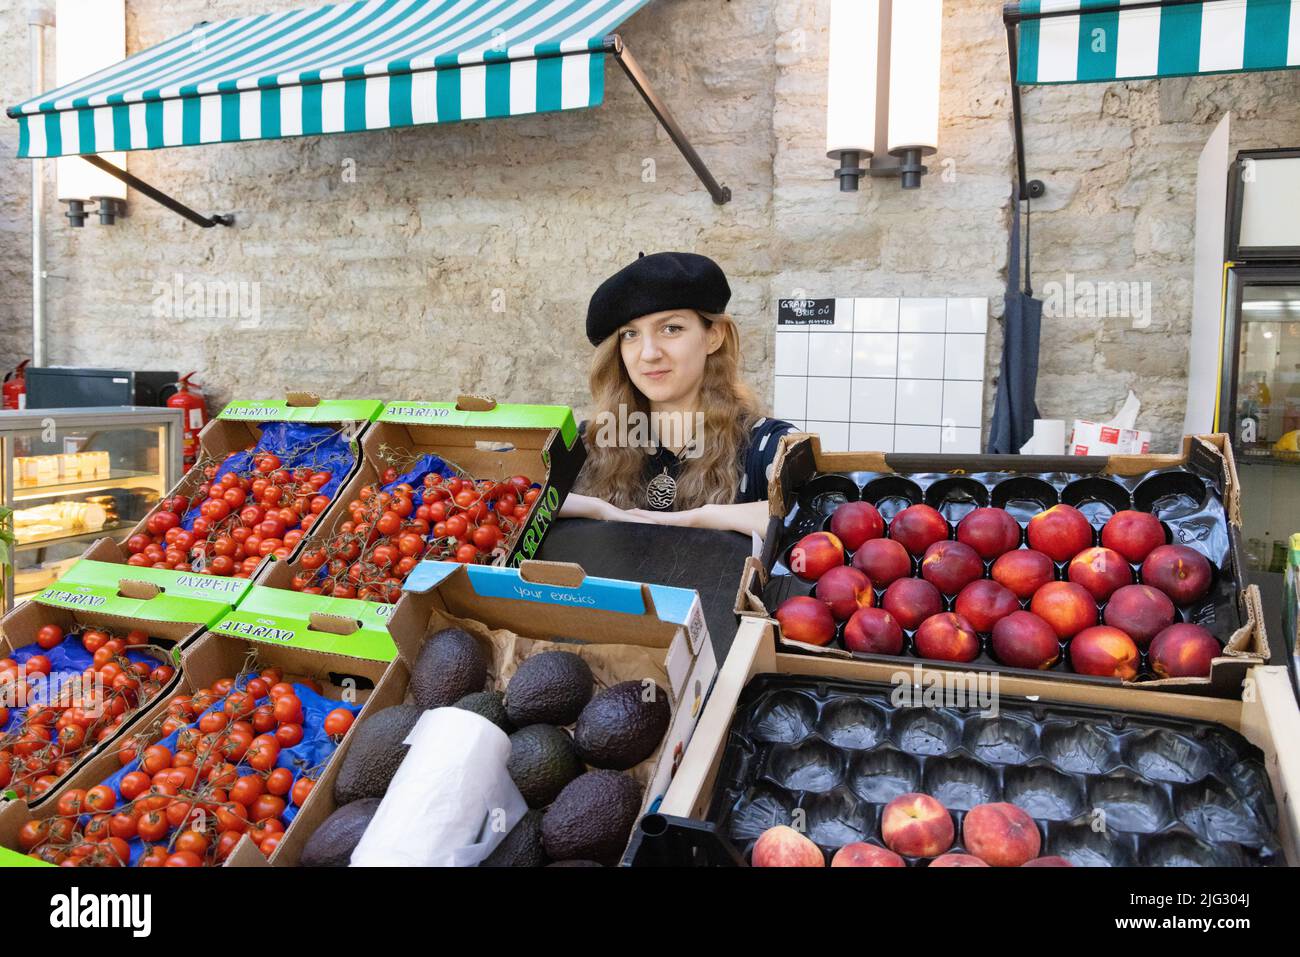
x,y
542,761
522,847
549,688
623,725
374,754
332,844
450,665
592,818
488,704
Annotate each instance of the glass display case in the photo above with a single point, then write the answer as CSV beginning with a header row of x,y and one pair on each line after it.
x,y
70,476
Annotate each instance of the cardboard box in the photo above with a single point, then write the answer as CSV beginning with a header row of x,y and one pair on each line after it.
x,y
800,457
208,659
99,581
628,631
1094,438
1267,717
169,619
483,438
238,426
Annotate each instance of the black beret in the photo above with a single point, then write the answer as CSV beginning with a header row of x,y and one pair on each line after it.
x,y
656,283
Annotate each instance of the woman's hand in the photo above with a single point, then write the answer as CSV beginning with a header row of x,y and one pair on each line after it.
x,y
586,506
747,518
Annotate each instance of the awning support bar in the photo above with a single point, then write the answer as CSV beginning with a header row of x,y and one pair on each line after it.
x,y
176,206
1032,189
614,44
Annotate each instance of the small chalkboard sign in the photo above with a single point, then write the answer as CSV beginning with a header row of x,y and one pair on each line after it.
x,y
805,312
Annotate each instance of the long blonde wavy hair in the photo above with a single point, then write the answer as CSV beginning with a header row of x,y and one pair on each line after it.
x,y
616,473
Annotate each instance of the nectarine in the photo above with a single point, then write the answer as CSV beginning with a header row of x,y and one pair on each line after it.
x,y
816,554
1100,570
1023,640
1133,534
1067,607
806,619
1104,651
951,566
947,637
1184,651
1060,533
917,527
1023,571
1140,611
912,601
1182,573
984,603
856,522
883,560
845,590
873,631
990,531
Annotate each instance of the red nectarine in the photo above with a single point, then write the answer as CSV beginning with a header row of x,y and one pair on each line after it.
x,y
1067,607
984,603
845,590
856,522
816,554
1023,640
1133,534
912,601
990,531
1104,651
883,560
1184,651
947,637
1182,573
873,631
1060,533
1140,611
917,527
806,619
1100,570
951,566
1024,572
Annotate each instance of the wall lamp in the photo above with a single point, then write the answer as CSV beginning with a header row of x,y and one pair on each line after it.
x,y
882,102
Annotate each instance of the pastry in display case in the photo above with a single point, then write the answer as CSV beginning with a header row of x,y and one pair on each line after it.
x,y
71,476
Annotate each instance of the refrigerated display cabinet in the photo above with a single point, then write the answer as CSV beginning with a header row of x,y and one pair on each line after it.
x,y
70,476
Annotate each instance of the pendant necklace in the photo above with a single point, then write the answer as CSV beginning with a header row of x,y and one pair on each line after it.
x,y
661,491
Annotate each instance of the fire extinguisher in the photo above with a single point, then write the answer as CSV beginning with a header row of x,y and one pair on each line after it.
x,y
189,398
15,387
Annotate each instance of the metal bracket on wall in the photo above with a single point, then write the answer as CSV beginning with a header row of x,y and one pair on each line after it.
x,y
158,196
614,44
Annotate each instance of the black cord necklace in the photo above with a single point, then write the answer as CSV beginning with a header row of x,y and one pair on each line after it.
x,y
661,490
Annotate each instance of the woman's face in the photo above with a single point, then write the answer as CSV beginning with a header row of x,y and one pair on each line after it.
x,y
665,353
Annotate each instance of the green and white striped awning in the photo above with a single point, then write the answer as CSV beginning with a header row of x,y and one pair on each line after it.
x,y
1084,41
341,68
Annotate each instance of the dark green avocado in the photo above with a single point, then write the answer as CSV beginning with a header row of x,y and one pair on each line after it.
x,y
522,847
375,750
549,688
542,761
332,844
592,818
450,665
623,725
490,705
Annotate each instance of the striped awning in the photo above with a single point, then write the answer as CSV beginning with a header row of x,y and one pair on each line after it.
x,y
1085,41
341,68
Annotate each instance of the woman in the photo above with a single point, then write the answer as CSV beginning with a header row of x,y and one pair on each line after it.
x,y
678,438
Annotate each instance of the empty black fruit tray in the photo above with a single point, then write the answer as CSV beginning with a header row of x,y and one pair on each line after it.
x,y
1106,788
1189,503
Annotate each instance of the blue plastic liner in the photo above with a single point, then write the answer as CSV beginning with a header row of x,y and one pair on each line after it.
x,y
310,753
68,660
318,447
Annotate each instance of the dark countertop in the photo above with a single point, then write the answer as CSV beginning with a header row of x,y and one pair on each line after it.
x,y
710,562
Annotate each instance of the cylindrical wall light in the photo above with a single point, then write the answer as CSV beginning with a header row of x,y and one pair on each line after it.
x,y
851,92
915,46
90,35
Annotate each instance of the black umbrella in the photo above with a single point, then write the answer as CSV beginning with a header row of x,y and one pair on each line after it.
x,y
1014,410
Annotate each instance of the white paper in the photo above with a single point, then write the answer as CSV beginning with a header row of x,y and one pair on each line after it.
x,y
1048,438
451,802
1127,416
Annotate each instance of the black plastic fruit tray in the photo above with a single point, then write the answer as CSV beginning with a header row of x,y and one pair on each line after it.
x,y
1188,503
1106,788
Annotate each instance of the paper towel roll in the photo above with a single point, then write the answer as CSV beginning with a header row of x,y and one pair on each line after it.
x,y
451,801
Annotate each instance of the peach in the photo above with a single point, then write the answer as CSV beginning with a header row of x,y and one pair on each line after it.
x,y
984,603
856,522
883,560
1067,607
990,531
957,860
806,619
861,854
1104,651
1023,640
1051,860
1133,534
1100,570
873,631
845,590
816,554
1001,835
951,566
917,527
783,846
1140,611
916,825
912,601
1184,651
1024,572
1182,573
947,637
1060,533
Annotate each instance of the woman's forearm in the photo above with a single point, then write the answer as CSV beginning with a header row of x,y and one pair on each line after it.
x,y
747,518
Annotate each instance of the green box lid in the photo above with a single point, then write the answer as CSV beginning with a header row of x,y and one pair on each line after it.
x,y
502,417
10,858
283,617
184,597
328,410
